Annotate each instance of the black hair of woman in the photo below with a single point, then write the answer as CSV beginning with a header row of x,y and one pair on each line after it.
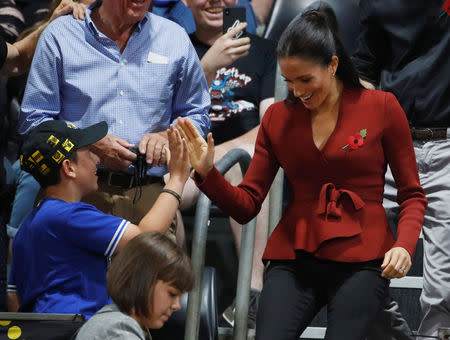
x,y
314,36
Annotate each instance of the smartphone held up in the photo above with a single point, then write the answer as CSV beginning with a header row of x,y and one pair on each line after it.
x,y
232,17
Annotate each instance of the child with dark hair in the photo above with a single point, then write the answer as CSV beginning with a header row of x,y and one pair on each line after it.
x,y
62,250
334,140
145,281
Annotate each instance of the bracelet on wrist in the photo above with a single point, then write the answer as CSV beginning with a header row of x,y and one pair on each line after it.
x,y
173,193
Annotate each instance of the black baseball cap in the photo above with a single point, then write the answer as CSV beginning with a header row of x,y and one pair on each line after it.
x,y
51,142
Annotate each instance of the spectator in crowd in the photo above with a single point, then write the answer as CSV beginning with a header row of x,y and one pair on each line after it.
x,y
15,59
404,48
333,245
61,251
177,11
145,282
138,72
17,56
18,61
241,75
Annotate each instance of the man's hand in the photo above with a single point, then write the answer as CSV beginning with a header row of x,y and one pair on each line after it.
x,y
113,152
396,264
225,51
152,145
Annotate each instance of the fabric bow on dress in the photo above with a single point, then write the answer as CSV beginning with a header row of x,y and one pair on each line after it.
x,y
329,197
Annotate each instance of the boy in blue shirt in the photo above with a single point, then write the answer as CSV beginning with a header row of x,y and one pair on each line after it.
x,y
62,250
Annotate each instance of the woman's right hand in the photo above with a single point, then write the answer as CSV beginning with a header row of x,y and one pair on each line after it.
x,y
201,153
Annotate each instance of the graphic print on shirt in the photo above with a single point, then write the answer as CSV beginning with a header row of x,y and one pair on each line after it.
x,y
222,93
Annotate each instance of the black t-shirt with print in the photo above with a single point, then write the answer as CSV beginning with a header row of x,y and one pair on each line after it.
x,y
238,89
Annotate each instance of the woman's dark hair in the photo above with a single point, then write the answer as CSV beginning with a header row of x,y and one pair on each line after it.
x,y
147,258
314,36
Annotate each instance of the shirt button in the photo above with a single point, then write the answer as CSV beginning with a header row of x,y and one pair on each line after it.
x,y
121,92
122,64
120,122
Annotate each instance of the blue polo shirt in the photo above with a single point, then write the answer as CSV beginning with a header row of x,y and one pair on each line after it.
x,y
60,257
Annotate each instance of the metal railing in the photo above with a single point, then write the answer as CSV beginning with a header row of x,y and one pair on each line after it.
x,y
201,224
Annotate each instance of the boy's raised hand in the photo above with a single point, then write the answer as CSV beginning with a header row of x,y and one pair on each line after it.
x,y
177,156
201,153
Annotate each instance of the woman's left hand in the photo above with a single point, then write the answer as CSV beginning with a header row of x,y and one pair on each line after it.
x,y
396,264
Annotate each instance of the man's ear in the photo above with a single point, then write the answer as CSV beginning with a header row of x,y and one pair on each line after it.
x,y
68,169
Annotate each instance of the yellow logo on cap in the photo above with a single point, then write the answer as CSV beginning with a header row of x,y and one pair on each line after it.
x,y
21,160
44,169
67,145
37,156
30,163
52,140
58,156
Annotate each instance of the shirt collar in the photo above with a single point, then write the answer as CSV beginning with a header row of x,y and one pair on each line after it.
x,y
93,28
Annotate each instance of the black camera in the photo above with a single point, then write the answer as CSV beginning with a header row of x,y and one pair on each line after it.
x,y
140,164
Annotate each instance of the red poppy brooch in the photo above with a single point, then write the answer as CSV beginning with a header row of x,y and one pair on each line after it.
x,y
355,141
446,8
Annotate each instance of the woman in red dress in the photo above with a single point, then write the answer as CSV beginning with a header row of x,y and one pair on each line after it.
x,y
333,140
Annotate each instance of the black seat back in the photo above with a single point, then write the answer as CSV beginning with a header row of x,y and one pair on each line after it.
x,y
347,14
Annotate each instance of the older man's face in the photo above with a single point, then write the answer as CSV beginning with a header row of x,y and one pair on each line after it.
x,y
131,11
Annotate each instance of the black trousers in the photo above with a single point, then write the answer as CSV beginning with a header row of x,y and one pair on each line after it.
x,y
295,290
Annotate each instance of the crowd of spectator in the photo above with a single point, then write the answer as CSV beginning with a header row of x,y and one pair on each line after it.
x,y
120,98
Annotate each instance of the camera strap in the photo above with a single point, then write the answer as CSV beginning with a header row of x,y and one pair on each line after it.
x,y
140,172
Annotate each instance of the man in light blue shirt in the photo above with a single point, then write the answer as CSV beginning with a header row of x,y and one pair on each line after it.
x,y
135,70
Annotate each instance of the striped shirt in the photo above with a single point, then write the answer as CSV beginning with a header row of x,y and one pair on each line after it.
x,y
11,20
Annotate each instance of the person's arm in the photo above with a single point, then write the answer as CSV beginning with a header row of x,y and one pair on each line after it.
x,y
163,211
399,151
13,302
13,295
113,152
371,53
224,52
21,53
243,202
